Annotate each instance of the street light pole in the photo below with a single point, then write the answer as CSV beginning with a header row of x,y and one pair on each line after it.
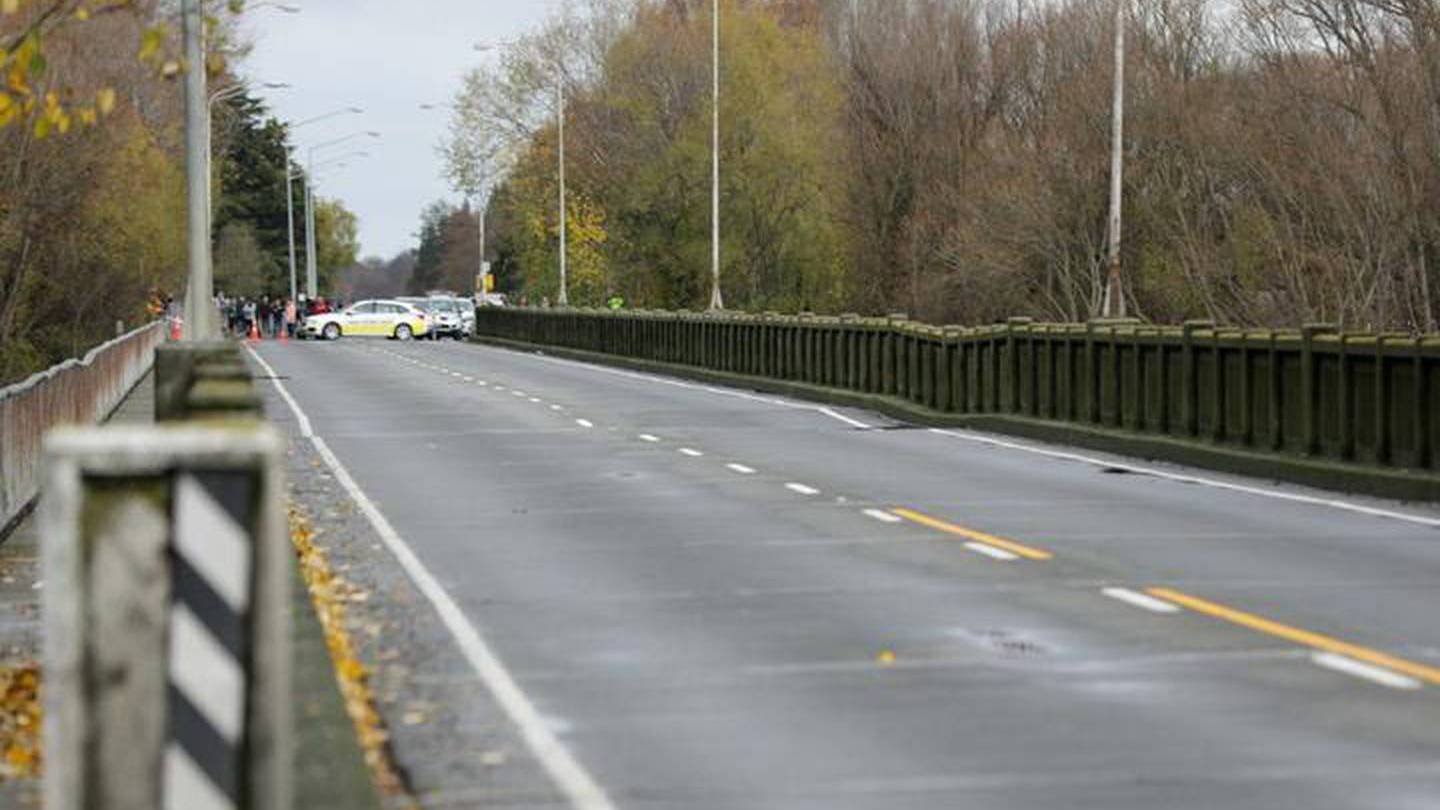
x,y
291,175
564,226
199,296
311,270
1114,303
717,302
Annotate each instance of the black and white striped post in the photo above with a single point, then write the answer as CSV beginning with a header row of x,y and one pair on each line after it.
x,y
167,654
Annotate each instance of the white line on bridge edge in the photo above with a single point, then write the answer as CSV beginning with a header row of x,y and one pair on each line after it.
x,y
1183,478
883,516
991,551
740,468
799,406
1420,520
567,773
1141,600
1359,669
802,489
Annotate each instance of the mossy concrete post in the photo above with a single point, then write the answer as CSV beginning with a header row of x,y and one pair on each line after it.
x,y
1420,397
1384,424
1190,376
1310,386
165,558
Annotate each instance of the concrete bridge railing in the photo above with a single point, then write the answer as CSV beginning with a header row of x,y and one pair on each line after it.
x,y
78,391
1351,411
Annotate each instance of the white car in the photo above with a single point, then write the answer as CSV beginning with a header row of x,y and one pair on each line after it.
x,y
384,318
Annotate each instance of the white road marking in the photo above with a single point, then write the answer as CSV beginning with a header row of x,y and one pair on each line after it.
x,y
646,437
802,489
1360,669
691,452
991,551
499,388
469,379
741,468
883,516
520,394
556,408
456,374
1185,478
1141,600
535,400
482,383
585,423
799,406
583,792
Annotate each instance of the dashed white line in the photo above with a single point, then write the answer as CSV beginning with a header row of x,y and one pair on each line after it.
x,y
991,551
802,489
1140,600
741,469
519,394
499,388
691,452
482,383
883,516
535,400
646,437
1359,669
585,423
556,408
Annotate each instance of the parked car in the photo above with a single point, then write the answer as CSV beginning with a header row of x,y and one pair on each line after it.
x,y
449,319
466,309
383,318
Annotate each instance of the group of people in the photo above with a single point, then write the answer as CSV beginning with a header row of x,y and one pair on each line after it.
x,y
268,316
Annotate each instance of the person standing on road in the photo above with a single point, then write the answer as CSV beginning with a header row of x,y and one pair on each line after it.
x,y
290,317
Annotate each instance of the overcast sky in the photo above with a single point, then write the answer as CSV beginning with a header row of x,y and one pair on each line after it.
x,y
387,57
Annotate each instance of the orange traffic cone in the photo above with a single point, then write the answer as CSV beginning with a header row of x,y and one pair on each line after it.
x,y
254,332
175,324
284,333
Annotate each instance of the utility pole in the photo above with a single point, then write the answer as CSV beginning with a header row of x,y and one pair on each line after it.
x,y
716,300
1114,305
200,294
290,218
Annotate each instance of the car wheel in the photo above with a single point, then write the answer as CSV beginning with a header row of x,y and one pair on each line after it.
x,y
331,331
404,332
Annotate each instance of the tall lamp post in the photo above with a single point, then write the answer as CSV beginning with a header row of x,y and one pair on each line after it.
x,y
291,175
717,301
1114,304
311,271
200,293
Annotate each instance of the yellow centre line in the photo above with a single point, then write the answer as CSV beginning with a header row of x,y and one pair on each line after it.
x,y
970,534
1302,637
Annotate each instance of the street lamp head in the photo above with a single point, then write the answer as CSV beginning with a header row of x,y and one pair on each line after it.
x,y
276,85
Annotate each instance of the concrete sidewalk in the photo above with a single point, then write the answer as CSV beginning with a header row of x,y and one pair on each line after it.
x,y
330,769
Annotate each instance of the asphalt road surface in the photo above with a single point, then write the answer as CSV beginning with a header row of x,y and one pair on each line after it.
x,y
710,598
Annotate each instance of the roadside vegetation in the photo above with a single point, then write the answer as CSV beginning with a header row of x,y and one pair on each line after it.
x,y
92,177
949,158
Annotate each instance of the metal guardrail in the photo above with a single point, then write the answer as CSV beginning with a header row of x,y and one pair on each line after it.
x,y
78,391
1366,401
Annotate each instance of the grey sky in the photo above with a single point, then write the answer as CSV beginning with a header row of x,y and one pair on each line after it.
x,y
388,57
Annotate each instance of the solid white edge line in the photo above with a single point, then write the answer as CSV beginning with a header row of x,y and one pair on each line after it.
x,y
884,516
1360,669
802,489
564,769
991,551
1183,478
741,469
1140,600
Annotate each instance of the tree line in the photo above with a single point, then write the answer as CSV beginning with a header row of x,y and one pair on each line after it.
x,y
949,158
92,186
